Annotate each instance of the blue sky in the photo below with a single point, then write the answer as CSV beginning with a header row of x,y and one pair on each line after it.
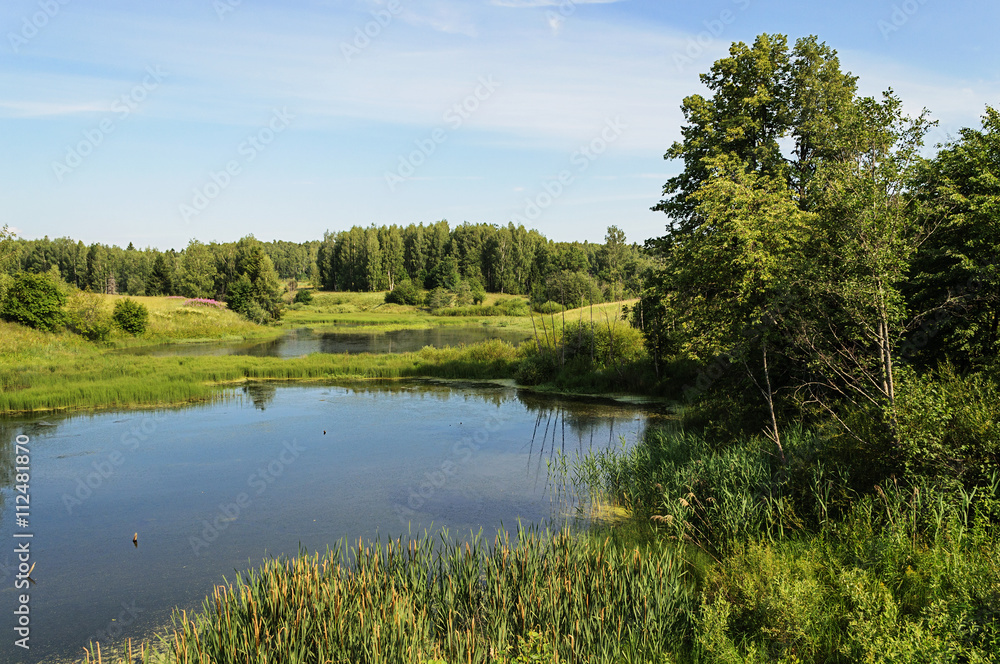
x,y
157,122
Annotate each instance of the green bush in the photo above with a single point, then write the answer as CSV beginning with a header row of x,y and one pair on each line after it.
x,y
303,296
612,343
949,426
536,368
549,307
131,316
405,292
438,298
512,306
34,300
478,292
86,316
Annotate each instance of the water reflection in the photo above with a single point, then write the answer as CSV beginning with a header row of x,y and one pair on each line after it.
x,y
217,487
301,342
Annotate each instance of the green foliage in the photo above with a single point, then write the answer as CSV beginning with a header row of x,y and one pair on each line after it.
x,y
955,277
34,300
5,283
303,296
130,316
438,298
549,307
949,427
85,315
255,293
198,271
510,306
572,289
537,368
405,292
543,598
478,292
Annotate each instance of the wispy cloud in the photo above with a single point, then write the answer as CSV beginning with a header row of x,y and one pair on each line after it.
x,y
38,109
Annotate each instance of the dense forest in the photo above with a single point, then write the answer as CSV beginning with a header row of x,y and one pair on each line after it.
x,y
504,259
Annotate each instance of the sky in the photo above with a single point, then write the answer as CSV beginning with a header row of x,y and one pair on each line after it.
x,y
155,122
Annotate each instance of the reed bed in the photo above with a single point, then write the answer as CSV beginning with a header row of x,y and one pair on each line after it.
x,y
568,597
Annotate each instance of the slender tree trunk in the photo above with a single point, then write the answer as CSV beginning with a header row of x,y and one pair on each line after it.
x,y
769,395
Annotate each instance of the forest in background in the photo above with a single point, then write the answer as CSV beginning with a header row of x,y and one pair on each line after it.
x,y
503,259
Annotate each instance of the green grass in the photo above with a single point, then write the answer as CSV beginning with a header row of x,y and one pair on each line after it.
x,y
427,600
95,379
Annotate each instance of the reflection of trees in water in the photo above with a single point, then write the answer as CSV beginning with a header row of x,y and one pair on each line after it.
x,y
9,431
468,391
586,423
582,415
262,394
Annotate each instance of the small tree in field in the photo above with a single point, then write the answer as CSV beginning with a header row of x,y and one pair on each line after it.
x,y
34,300
131,316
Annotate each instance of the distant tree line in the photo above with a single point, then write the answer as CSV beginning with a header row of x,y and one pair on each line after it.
x,y
504,259
500,259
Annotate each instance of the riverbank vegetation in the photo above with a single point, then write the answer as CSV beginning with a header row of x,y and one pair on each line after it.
x,y
825,309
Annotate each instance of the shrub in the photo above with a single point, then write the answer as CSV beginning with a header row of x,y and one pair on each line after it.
x,y
512,306
536,368
478,292
34,300
85,315
949,426
613,343
405,292
439,298
131,316
304,297
573,289
550,307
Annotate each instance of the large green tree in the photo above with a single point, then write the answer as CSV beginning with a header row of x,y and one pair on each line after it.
x,y
954,282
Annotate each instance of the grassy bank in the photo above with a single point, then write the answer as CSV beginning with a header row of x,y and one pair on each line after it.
x,y
42,371
93,379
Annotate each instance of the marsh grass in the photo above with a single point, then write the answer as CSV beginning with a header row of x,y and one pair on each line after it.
x,y
425,600
113,380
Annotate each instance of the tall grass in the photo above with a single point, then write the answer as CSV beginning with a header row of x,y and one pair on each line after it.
x,y
806,568
578,599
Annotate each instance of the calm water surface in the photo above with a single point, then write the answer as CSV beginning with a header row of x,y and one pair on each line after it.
x,y
297,343
217,488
